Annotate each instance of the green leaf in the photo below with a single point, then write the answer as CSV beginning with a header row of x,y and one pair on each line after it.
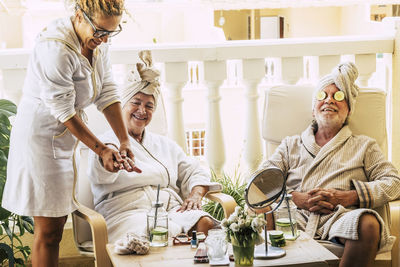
x,y
19,261
3,159
17,238
7,229
20,226
7,107
3,256
28,223
4,214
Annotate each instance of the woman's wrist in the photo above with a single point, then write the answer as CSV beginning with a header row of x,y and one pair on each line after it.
x,y
124,142
99,148
111,145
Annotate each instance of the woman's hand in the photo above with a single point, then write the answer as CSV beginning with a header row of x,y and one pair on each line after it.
x,y
193,201
128,158
111,159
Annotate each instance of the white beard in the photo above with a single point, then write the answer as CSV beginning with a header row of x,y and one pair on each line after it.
x,y
325,122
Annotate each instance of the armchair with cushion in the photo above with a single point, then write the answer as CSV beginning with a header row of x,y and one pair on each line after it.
x,y
90,230
287,112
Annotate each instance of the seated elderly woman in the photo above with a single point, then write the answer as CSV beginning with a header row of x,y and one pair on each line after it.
x,y
337,178
124,198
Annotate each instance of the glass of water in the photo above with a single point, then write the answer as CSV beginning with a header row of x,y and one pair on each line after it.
x,y
216,245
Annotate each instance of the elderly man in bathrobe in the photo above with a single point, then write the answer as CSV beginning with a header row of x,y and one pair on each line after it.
x,y
338,179
124,198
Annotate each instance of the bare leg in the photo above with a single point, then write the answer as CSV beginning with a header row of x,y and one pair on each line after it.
x,y
46,243
204,224
362,251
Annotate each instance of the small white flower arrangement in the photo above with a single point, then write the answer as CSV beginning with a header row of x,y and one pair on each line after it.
x,y
243,228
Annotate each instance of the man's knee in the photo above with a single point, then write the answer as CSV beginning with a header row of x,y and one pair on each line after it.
x,y
369,228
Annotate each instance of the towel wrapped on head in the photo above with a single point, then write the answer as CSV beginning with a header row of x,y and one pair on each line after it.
x,y
343,76
143,78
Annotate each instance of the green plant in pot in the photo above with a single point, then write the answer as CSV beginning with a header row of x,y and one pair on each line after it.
x,y
12,226
231,185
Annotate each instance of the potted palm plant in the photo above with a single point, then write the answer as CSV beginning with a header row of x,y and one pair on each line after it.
x,y
12,226
231,185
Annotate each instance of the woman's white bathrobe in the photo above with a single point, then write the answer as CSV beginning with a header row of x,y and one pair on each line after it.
x,y
124,198
60,83
346,162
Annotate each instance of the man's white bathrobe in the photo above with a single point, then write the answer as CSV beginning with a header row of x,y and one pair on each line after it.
x,y
347,162
124,198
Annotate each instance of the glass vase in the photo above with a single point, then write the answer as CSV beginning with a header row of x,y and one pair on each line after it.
x,y
243,252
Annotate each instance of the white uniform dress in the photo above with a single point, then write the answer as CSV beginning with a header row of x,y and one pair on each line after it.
x,y
60,83
124,198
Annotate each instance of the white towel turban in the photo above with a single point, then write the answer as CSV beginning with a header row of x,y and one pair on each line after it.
x,y
343,76
143,78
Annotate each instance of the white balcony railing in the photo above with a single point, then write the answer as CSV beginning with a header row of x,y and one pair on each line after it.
x,y
248,64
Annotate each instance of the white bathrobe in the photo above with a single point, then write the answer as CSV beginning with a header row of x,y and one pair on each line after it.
x,y
124,198
346,162
60,83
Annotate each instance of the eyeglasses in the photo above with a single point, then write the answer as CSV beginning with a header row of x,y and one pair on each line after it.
x,y
100,33
181,239
338,96
184,239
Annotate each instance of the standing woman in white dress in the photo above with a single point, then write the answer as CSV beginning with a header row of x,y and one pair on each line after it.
x,y
68,70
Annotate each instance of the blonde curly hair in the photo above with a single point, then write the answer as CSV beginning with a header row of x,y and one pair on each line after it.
x,y
93,7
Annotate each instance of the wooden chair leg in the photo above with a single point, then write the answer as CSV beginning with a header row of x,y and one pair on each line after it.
x,y
99,235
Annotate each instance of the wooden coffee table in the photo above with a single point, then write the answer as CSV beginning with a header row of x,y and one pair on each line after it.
x,y
303,252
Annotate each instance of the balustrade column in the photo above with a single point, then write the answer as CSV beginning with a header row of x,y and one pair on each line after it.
x,y
292,69
366,65
214,76
253,73
176,77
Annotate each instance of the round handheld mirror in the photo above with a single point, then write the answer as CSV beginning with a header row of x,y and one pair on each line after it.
x,y
265,187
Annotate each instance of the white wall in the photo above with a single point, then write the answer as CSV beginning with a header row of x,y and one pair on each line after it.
x,y
313,21
354,20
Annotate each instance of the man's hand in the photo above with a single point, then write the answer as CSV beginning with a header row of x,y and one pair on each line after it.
x,y
313,203
334,197
193,201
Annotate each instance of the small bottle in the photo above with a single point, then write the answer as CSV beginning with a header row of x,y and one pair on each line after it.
x,y
193,242
285,218
157,225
